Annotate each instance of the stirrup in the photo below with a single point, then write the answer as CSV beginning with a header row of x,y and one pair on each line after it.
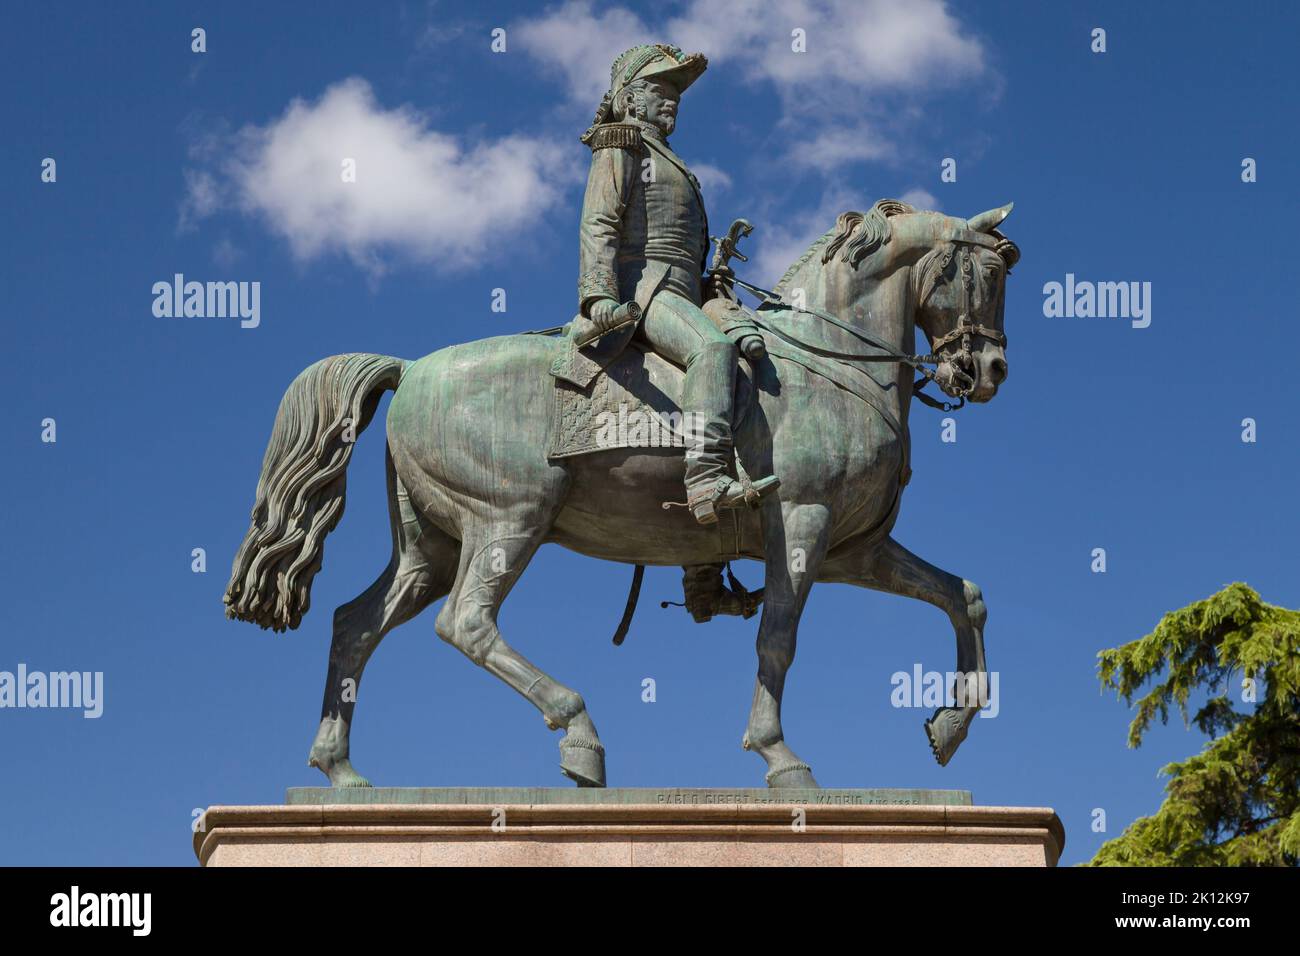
x,y
725,492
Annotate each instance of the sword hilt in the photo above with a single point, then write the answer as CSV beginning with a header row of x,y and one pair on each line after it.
x,y
725,246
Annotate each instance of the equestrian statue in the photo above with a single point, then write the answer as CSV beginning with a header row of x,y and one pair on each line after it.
x,y
665,424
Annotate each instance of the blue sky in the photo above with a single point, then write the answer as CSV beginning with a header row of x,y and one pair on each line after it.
x,y
1124,166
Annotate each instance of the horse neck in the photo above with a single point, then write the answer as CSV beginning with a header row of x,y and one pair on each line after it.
x,y
877,302
878,305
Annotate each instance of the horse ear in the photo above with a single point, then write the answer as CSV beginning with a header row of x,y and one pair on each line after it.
x,y
987,221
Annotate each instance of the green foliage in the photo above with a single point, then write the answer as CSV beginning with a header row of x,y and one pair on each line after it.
x,y
1237,802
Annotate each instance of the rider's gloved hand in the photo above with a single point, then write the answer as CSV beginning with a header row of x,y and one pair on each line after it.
x,y
718,283
601,313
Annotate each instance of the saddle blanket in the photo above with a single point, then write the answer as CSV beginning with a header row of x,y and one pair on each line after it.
x,y
628,406
633,403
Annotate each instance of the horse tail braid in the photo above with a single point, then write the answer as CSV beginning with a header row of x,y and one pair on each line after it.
x,y
301,489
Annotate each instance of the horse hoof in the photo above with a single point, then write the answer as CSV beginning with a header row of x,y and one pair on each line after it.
x,y
582,760
945,731
797,776
342,776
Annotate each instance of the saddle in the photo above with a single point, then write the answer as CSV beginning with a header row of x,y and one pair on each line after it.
x,y
616,393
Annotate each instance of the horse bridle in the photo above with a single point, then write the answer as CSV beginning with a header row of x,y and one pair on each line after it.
x,y
950,373
961,362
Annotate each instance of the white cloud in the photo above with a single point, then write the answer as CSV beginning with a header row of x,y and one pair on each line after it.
x,y
867,45
712,179
827,148
202,196
580,45
225,253
921,199
419,193
862,57
863,44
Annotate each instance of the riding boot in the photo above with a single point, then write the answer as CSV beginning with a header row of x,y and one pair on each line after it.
x,y
707,405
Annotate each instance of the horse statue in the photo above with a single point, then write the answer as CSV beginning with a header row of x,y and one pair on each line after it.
x,y
473,492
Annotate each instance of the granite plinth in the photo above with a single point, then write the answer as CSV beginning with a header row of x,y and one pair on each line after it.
x,y
619,827
697,796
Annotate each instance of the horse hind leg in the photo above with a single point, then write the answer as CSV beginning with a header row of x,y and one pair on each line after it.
x,y
421,571
491,561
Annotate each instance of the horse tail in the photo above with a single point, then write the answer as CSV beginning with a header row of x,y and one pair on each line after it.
x,y
301,489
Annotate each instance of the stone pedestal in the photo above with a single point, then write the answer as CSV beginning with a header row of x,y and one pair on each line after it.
x,y
628,827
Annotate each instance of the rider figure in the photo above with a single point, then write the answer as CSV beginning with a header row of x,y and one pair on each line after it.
x,y
644,237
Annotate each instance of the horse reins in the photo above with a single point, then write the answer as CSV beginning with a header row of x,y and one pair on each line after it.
x,y
965,331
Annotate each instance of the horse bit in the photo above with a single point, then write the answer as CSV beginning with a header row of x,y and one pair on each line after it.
x,y
952,375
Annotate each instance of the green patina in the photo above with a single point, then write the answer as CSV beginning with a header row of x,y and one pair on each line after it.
x,y
806,477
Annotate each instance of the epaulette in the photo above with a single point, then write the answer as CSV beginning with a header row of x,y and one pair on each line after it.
x,y
621,135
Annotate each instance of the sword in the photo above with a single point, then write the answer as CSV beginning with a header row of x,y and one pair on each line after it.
x,y
726,245
719,271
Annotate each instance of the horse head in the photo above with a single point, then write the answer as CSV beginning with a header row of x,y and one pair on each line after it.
x,y
895,267
959,288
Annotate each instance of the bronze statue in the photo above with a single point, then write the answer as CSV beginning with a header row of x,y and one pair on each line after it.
x,y
644,238
497,446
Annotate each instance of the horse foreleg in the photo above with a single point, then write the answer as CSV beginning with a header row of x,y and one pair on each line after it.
x,y
891,568
794,546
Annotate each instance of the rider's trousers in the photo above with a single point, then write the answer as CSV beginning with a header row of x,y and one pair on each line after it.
x,y
679,330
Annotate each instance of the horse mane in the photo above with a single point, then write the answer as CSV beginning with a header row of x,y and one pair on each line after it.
x,y
855,235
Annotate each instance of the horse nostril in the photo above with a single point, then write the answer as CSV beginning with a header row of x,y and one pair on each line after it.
x,y
998,370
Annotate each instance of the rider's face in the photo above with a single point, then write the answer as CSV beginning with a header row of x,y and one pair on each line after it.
x,y
659,105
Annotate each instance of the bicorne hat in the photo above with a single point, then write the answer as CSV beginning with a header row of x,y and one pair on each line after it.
x,y
657,60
